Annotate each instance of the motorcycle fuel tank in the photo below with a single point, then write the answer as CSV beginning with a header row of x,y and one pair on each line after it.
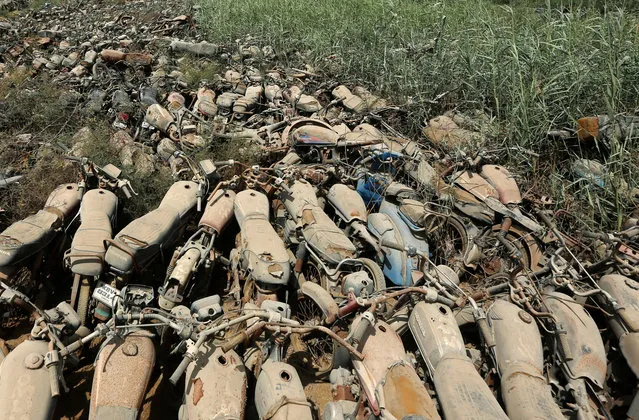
x,y
520,360
461,392
122,373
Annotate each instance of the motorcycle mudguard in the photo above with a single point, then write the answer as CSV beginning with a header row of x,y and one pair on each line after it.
x,y
310,132
461,392
586,345
250,204
387,376
218,211
97,213
122,373
348,204
25,390
215,386
626,292
396,262
279,393
520,361
503,182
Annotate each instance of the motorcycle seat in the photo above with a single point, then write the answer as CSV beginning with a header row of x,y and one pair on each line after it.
x,y
414,212
87,250
321,233
28,236
264,252
142,239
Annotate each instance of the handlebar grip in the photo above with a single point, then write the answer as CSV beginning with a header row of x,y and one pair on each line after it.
x,y
180,369
71,347
234,341
54,381
126,192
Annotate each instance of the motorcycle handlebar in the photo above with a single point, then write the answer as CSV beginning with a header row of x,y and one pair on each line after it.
x,y
179,371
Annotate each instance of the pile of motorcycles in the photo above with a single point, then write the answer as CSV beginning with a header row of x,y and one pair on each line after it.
x,y
418,290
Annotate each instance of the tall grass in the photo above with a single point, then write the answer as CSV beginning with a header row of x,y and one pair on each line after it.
x,y
532,65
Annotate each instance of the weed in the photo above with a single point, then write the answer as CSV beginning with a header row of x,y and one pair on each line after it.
x,y
531,65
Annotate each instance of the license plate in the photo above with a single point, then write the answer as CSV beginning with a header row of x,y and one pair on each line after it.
x,y
105,294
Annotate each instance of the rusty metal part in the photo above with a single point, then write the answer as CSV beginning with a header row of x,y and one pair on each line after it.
x,y
459,387
475,184
216,385
218,211
279,394
25,391
520,361
502,180
129,362
307,328
386,390
582,336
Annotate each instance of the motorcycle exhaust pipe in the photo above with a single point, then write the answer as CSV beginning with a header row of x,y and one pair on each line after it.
x,y
460,388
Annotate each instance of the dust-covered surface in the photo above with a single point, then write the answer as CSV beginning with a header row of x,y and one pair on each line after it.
x,y
135,83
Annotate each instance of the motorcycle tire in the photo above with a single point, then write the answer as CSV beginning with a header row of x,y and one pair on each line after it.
x,y
376,273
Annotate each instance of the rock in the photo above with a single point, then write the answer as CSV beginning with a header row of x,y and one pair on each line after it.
x,y
81,140
203,48
119,139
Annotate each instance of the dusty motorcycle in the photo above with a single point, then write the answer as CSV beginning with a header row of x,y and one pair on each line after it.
x,y
352,215
442,347
31,374
400,219
30,244
146,238
328,256
487,228
129,353
315,141
98,213
260,257
196,257
387,377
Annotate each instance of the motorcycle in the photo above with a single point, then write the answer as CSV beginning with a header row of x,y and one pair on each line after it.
x,y
31,374
260,257
30,244
196,257
328,256
146,238
98,213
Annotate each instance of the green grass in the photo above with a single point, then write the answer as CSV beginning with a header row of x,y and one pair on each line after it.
x,y
533,65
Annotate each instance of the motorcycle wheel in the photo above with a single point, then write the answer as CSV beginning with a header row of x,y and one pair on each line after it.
x,y
83,300
314,274
312,351
375,272
451,244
